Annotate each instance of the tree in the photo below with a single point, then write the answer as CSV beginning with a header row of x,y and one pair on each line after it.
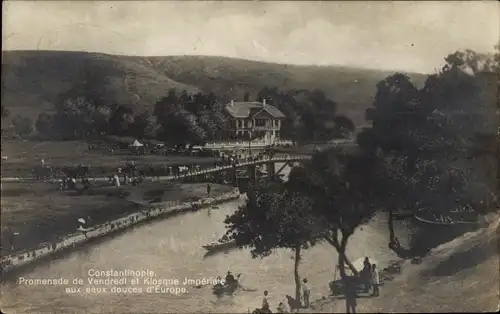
x,y
75,116
274,218
425,133
121,121
44,124
341,186
140,125
22,126
393,109
343,126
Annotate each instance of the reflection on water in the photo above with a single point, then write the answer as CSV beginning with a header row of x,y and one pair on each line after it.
x,y
172,249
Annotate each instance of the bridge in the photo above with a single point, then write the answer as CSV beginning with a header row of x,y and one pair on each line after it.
x,y
230,168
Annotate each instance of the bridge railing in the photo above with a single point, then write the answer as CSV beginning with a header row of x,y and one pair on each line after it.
x,y
244,144
241,164
189,173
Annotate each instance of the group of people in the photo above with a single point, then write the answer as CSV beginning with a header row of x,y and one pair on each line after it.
x,y
370,277
291,303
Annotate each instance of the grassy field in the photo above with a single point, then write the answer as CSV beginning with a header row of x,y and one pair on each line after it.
x,y
40,212
23,156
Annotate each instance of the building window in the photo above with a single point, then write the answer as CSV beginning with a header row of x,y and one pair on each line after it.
x,y
260,122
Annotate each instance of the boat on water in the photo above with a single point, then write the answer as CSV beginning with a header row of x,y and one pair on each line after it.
x,y
219,245
225,289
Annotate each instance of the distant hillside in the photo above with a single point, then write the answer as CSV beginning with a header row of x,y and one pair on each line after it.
x,y
33,80
229,78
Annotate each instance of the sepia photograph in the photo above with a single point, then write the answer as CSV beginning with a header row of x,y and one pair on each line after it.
x,y
250,157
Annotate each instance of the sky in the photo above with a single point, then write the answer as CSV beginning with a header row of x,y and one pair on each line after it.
x,y
401,35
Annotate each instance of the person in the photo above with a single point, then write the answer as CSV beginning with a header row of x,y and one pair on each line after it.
x,y
265,302
230,278
219,282
282,308
42,162
375,280
350,295
209,189
116,180
366,274
306,293
63,183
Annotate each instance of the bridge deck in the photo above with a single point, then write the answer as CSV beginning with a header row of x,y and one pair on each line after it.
x,y
181,176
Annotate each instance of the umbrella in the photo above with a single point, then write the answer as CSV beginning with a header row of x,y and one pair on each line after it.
x,y
359,263
81,220
136,144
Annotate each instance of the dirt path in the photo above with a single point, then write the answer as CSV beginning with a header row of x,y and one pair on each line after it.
x,y
459,276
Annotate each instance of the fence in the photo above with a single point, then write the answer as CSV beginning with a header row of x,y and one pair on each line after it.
x,y
243,144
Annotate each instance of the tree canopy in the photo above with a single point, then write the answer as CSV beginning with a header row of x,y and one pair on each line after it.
x,y
273,218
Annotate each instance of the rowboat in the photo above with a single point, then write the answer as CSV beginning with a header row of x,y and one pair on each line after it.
x,y
219,245
220,289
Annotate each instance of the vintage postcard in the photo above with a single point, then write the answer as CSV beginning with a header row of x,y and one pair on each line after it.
x,y
250,156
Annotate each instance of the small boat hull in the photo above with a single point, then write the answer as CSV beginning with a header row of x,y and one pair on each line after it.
x,y
219,246
220,290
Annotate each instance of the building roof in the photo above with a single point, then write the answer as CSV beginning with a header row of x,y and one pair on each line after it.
x,y
246,109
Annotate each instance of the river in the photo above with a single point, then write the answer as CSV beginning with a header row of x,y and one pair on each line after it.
x,y
172,249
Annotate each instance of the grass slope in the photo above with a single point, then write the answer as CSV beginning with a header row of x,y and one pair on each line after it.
x,y
33,80
457,276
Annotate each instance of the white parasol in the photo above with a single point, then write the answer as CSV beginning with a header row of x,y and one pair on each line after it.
x,y
359,263
136,144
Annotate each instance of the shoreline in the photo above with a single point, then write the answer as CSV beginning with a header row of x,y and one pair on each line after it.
x,y
398,271
23,258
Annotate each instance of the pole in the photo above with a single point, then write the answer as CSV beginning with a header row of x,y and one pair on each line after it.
x,y
250,133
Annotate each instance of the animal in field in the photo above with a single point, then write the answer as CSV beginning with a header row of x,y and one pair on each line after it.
x,y
293,304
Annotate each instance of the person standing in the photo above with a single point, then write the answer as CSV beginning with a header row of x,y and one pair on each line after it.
x,y
366,274
209,189
265,302
350,295
306,292
375,280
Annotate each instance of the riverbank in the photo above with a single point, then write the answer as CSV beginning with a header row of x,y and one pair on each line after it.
x,y
460,275
45,221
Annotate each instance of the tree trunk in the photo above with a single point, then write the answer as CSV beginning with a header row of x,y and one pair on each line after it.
x,y
342,258
390,225
336,245
296,272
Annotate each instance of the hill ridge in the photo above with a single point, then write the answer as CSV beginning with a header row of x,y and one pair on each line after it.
x,y
32,80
